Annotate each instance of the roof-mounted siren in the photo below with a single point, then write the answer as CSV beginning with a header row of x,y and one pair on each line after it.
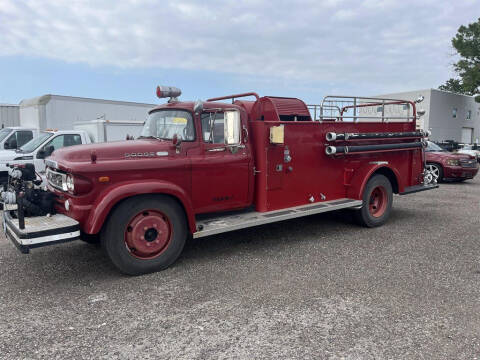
x,y
169,91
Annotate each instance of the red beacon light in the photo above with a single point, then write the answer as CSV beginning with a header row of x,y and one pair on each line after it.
x,y
169,91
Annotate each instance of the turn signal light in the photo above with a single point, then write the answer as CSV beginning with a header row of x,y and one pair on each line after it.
x,y
103,179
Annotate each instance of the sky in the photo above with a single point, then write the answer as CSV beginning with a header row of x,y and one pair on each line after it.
x,y
123,49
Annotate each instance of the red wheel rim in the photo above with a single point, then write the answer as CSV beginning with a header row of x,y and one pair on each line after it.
x,y
148,234
378,201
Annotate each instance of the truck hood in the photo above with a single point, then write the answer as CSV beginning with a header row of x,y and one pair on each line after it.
x,y
448,155
9,155
112,151
469,152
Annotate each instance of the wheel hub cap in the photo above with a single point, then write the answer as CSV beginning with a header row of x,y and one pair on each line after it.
x,y
378,201
148,234
434,171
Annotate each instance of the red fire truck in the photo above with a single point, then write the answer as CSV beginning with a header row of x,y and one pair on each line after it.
x,y
209,167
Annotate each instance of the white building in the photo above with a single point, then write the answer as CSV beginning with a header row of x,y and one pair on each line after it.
x,y
9,115
62,112
448,116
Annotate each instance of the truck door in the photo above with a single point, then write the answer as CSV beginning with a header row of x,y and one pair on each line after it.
x,y
18,139
221,173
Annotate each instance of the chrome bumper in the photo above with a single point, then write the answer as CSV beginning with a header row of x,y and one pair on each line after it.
x,y
40,230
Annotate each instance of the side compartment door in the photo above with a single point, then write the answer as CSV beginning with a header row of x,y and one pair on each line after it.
x,y
221,173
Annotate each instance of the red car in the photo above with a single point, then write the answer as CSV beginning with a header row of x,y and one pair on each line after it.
x,y
450,166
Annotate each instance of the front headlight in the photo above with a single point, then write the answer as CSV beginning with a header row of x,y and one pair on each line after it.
x,y
453,162
70,186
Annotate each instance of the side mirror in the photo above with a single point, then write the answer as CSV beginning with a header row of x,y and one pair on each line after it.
x,y
421,112
41,154
49,150
232,127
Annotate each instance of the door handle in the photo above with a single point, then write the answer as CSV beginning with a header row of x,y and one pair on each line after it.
x,y
216,149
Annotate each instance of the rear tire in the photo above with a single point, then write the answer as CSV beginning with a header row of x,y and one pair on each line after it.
x,y
377,202
145,234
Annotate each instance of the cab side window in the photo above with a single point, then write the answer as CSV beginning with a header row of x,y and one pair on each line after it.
x,y
11,142
72,139
61,141
17,139
23,137
213,127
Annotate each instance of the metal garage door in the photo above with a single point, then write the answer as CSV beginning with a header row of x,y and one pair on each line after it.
x,y
467,135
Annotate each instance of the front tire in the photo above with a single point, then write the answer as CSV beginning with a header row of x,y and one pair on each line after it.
x,y
145,234
436,170
377,202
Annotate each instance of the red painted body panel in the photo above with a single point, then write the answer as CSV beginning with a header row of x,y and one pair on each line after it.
x,y
206,181
313,173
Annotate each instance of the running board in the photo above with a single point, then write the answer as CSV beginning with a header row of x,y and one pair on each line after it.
x,y
243,219
418,188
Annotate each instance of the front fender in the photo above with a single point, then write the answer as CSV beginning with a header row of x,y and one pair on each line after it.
x,y
108,199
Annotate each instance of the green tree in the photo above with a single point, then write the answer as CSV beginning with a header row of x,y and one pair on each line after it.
x,y
467,44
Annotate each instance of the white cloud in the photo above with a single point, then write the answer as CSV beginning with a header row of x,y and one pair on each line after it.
x,y
344,14
384,45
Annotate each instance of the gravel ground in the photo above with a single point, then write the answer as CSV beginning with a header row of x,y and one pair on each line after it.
x,y
311,288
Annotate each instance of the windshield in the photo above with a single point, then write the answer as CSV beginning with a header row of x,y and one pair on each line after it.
x,y
163,124
35,142
4,133
433,147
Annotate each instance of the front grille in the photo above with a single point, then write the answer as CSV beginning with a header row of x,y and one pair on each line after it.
x,y
56,179
471,163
